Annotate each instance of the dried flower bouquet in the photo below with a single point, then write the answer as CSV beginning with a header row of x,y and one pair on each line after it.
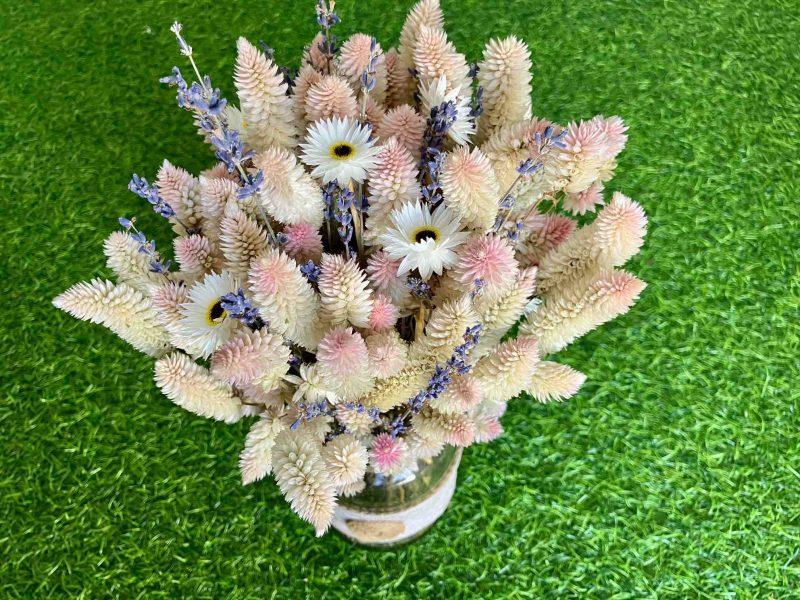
x,y
375,225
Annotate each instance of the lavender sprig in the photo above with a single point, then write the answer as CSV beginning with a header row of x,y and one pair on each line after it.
x,y
148,247
439,122
419,288
239,307
310,271
326,19
140,187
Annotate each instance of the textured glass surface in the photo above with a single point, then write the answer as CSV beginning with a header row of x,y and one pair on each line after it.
x,y
391,494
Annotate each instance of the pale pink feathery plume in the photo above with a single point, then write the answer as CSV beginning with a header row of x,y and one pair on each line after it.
x,y
425,13
330,97
387,353
288,193
303,242
344,359
582,202
354,57
505,74
384,314
506,371
489,259
346,459
274,399
314,55
398,80
569,315
499,312
464,393
405,124
435,56
545,233
584,146
218,171
609,241
553,381
358,422
265,107
302,478
373,112
487,427
182,192
122,308
192,387
382,273
285,298
388,455
343,290
129,264
241,240
307,77
392,183
255,460
167,299
251,357
470,188
614,138
454,429
196,254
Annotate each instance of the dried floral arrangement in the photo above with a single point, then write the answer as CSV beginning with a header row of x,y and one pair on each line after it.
x,y
349,270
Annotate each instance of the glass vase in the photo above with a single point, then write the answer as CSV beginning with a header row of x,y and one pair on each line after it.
x,y
397,509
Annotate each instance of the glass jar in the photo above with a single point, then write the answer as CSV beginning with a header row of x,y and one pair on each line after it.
x,y
396,509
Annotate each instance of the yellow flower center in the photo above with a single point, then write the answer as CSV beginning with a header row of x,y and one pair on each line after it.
x,y
426,232
342,150
215,314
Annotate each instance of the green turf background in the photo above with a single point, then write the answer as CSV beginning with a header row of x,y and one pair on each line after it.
x,y
674,472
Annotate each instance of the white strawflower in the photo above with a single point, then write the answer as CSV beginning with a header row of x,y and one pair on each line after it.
x,y
204,324
423,240
339,149
346,459
192,387
435,92
302,478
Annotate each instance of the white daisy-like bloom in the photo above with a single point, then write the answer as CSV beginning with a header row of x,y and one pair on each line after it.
x,y
434,93
340,149
311,386
423,240
204,325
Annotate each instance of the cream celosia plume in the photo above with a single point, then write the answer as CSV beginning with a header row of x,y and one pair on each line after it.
x,y
285,298
498,313
307,77
445,330
398,80
346,459
241,240
330,97
288,194
567,316
553,381
505,74
435,56
255,460
193,388
609,241
182,192
506,370
129,264
454,429
266,108
121,308
343,291
470,188
544,234
387,353
302,478
252,358
167,299
463,394
426,13
215,193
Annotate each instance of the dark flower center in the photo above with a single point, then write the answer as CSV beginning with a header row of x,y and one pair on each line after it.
x,y
216,312
425,234
342,150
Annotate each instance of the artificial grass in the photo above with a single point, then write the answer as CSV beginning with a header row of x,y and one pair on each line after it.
x,y
673,473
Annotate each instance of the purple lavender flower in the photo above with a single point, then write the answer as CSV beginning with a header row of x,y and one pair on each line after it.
x,y
439,122
250,186
419,288
238,306
140,187
477,103
310,271
185,48
528,167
